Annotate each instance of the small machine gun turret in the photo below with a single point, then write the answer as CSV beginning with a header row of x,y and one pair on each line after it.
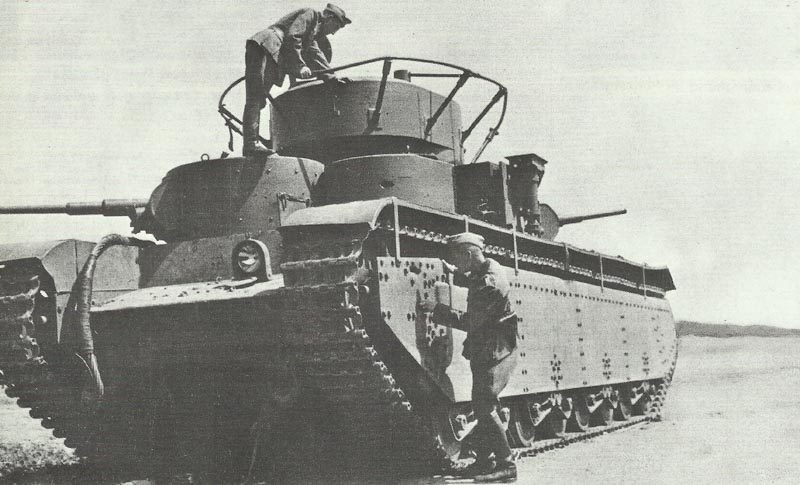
x,y
508,195
525,173
550,222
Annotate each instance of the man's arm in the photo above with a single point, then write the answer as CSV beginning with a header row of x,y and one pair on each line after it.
x,y
490,306
316,59
490,303
302,26
444,315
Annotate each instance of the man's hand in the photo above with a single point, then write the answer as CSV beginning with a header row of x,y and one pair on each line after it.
x,y
338,81
305,72
426,306
449,268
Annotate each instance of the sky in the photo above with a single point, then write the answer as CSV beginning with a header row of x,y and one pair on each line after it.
x,y
685,113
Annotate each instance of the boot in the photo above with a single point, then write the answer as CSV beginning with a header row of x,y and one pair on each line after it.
x,y
255,148
479,467
504,472
251,119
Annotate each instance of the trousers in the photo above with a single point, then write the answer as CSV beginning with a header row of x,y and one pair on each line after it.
x,y
488,381
260,74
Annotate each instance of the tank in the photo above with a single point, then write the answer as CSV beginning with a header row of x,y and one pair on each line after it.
x,y
282,296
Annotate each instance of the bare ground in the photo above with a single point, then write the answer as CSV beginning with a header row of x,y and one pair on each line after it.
x,y
24,444
729,418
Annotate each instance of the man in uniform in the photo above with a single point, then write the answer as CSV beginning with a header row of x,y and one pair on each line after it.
x,y
490,346
289,46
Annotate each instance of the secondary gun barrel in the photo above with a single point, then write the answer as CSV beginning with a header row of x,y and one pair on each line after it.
x,y
563,221
107,207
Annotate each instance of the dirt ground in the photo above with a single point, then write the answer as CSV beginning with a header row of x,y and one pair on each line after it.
x,y
729,418
24,444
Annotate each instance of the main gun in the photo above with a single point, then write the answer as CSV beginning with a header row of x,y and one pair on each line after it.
x,y
109,208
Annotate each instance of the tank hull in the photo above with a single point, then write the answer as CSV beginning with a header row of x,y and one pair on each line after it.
x,y
337,338
345,332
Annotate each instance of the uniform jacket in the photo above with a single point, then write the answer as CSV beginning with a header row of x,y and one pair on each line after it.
x,y
292,42
490,320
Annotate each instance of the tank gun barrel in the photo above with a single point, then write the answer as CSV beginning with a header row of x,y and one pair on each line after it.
x,y
563,221
107,207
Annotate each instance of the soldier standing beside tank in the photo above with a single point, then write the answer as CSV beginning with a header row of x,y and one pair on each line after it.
x,y
490,347
289,46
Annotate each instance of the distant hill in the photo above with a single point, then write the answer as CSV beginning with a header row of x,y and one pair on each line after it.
x,y
727,330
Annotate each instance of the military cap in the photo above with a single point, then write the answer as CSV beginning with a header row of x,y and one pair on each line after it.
x,y
337,12
465,238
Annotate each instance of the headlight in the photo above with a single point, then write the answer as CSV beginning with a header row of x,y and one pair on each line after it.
x,y
251,258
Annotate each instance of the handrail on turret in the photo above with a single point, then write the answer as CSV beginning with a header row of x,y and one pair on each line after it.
x,y
231,121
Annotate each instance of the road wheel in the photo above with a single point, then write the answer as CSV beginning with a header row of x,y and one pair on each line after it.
x,y
624,408
521,428
642,406
579,422
603,415
450,427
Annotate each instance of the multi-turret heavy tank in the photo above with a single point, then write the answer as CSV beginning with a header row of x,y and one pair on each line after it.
x,y
286,288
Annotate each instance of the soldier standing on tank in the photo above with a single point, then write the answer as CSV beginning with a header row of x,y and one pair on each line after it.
x,y
292,45
490,347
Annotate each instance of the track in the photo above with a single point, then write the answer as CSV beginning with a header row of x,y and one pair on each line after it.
x,y
45,386
344,364
19,287
370,395
341,363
